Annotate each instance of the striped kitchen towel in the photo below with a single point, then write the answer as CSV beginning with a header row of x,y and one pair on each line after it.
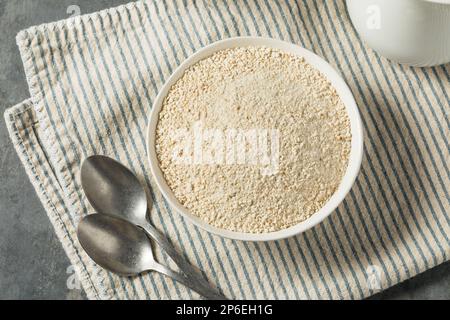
x,y
92,82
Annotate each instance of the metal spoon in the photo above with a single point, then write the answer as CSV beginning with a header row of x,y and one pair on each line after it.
x,y
124,248
113,189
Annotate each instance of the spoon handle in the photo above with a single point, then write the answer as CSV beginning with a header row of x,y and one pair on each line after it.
x,y
190,274
207,293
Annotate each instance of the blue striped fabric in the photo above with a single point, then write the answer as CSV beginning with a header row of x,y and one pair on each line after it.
x,y
92,82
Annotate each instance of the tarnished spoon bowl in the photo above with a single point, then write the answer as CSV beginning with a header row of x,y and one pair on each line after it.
x,y
112,188
116,244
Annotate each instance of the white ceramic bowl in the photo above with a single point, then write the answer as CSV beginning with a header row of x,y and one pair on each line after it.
x,y
343,91
412,32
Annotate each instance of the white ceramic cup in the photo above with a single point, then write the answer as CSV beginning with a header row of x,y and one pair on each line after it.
x,y
412,32
338,83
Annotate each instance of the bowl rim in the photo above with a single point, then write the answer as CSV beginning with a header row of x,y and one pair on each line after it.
x,y
356,153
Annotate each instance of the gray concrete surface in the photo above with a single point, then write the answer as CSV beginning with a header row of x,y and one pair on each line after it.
x,y
32,262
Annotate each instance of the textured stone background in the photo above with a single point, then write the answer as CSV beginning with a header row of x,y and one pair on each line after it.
x,y
32,262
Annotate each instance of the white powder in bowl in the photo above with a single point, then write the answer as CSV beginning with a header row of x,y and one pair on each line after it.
x,y
253,140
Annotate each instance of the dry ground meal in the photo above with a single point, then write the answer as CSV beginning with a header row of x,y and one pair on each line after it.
x,y
253,139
